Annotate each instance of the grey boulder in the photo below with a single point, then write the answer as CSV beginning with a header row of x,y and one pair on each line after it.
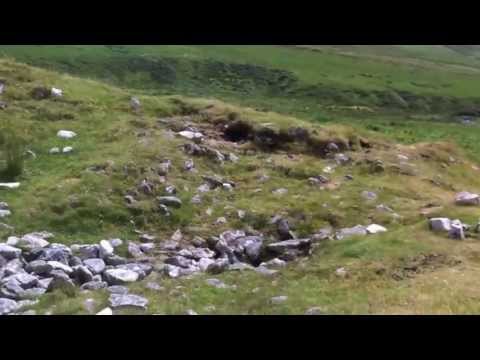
x,y
120,276
9,252
96,266
7,306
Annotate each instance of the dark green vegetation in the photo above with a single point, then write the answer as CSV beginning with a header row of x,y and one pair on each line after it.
x,y
80,196
285,79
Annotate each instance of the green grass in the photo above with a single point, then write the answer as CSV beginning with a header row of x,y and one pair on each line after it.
x,y
284,79
60,195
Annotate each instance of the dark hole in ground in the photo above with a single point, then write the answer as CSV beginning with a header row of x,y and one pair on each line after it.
x,y
238,131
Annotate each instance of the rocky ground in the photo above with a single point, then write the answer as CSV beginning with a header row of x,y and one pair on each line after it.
x,y
141,203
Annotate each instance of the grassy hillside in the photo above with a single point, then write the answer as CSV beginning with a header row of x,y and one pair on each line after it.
x,y
286,79
80,196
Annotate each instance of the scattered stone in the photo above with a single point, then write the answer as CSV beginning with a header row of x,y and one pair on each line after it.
x,y
177,236
7,306
89,305
219,266
96,266
12,267
204,263
129,199
32,241
147,247
10,185
171,189
369,195
170,201
120,276
54,150
145,238
265,271
233,158
216,283
56,265
5,213
282,246
135,104
105,249
281,191
134,250
277,300
9,252
67,149
39,267
45,283
283,230
82,274
341,272
66,134
375,229
332,147
88,251
94,285
190,312
191,135
275,263
189,165
239,266
164,210
153,286
3,105
349,177
106,311
179,261
315,311
341,159
220,221
465,198
127,301
440,224
322,235
456,230
358,230
329,170
384,208
117,289
61,281
56,93
197,199
115,260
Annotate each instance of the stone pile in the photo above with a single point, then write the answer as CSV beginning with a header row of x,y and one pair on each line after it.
x,y
31,265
